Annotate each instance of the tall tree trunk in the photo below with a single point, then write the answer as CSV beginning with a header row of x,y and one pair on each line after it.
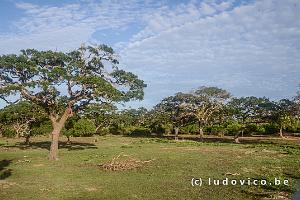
x,y
68,141
201,133
176,129
281,132
236,137
57,126
53,155
27,137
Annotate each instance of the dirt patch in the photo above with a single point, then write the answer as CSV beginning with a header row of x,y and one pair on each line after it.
x,y
7,184
91,189
124,162
38,165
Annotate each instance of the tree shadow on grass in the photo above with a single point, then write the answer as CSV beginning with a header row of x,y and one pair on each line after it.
x,y
4,172
46,145
229,140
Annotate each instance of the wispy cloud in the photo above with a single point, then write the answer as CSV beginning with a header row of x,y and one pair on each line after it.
x,y
250,49
67,26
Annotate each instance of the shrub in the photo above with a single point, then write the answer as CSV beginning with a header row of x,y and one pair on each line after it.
x,y
84,127
250,128
7,131
103,131
271,129
217,130
190,128
232,128
42,128
141,132
157,129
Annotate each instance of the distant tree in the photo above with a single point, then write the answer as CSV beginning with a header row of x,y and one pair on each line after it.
x,y
296,101
132,117
22,116
207,105
64,82
157,120
103,115
175,108
281,112
246,110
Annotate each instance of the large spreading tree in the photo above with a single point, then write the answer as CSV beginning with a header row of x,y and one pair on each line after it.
x,y
207,105
62,83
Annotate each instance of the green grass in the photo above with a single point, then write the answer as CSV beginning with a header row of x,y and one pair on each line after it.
x,y
77,174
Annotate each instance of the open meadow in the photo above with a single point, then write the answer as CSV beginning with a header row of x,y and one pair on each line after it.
x,y
118,167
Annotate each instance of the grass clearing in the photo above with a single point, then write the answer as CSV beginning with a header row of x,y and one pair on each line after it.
x,y
78,173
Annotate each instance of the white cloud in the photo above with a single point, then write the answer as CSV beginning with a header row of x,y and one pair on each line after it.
x,y
248,48
69,25
252,49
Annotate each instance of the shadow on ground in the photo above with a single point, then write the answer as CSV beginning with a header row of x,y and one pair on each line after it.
x,y
4,172
46,145
262,140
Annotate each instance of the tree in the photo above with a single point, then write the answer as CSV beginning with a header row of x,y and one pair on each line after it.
x,y
22,116
64,82
281,112
175,108
103,115
207,104
296,101
246,110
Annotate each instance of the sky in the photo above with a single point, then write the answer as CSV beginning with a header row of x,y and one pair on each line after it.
x,y
248,47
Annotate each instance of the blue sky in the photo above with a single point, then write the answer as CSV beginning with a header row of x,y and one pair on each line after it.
x,y
247,47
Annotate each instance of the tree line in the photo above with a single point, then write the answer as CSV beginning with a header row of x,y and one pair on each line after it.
x,y
207,110
76,94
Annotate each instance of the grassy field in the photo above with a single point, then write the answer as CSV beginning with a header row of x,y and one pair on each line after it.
x,y
160,168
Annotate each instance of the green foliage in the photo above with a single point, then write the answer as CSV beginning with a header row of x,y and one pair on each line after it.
x,y
84,127
140,132
233,128
190,129
42,128
271,128
8,131
216,129
158,129
79,127
103,131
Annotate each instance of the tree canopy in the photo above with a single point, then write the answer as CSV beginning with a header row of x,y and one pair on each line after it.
x,y
65,82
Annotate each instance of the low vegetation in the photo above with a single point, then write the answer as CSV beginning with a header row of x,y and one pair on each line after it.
x,y
146,168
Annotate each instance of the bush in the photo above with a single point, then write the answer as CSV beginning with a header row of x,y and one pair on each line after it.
x,y
103,131
168,128
232,128
250,128
157,129
190,129
7,131
271,129
217,130
141,132
42,128
84,127
137,131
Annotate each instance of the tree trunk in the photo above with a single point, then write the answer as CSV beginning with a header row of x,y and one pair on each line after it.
x,y
69,141
201,133
176,129
54,144
281,132
236,137
27,137
57,126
